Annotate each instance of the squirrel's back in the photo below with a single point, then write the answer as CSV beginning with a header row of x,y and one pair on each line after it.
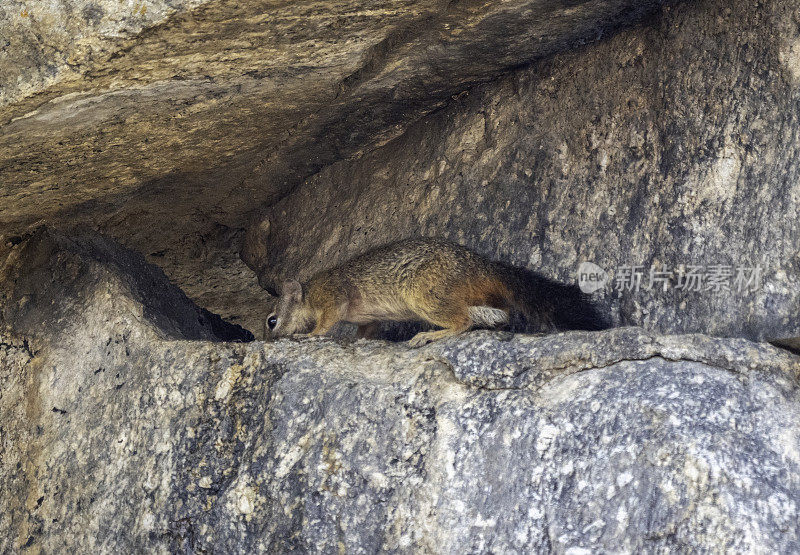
x,y
402,263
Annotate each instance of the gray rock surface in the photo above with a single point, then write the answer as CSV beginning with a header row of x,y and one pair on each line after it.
x,y
166,123
673,143
119,434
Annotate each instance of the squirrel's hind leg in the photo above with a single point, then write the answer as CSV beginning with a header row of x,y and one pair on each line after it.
x,y
425,337
454,322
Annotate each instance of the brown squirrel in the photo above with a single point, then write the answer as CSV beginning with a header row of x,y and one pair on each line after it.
x,y
431,280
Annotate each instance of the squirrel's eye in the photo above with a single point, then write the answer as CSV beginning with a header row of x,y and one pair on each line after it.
x,y
271,322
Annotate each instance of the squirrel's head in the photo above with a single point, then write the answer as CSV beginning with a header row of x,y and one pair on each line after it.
x,y
290,316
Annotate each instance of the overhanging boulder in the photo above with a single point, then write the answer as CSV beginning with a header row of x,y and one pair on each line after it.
x,y
166,123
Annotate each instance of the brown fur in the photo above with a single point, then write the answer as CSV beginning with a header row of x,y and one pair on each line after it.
x,y
431,280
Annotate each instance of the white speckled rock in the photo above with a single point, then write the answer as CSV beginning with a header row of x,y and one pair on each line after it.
x,y
489,442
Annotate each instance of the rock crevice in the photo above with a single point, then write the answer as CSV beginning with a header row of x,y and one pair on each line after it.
x,y
171,138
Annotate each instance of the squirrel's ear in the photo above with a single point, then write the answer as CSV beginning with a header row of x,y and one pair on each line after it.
x,y
293,289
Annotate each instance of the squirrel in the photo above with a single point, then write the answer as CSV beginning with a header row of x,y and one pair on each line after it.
x,y
431,280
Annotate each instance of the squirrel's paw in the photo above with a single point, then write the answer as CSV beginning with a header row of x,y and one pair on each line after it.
x,y
422,338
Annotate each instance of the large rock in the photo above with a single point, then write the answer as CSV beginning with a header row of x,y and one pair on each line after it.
x,y
674,143
59,288
119,437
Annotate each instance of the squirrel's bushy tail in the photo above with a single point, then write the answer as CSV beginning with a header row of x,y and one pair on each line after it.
x,y
546,303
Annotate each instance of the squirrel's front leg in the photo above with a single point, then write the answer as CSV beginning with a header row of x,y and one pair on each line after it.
x,y
322,328
326,320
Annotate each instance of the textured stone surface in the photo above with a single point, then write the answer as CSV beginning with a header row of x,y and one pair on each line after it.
x,y
165,123
127,425
43,43
673,143
118,435
62,287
